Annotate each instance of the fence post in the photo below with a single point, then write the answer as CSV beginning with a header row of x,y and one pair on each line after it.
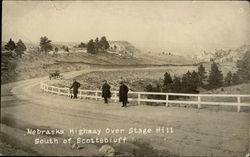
x,y
58,91
69,92
238,103
96,95
139,98
199,102
115,96
80,95
46,88
167,100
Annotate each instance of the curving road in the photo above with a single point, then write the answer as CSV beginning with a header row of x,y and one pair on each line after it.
x,y
206,133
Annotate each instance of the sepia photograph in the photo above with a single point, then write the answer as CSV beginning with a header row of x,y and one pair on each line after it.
x,y
125,78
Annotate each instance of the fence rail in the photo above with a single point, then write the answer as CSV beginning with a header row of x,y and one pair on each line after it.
x,y
96,94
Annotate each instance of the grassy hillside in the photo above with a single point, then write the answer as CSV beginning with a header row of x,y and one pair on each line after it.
x,y
34,64
31,66
137,79
236,89
165,59
150,58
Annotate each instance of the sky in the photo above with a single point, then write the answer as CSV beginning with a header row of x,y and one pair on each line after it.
x,y
182,27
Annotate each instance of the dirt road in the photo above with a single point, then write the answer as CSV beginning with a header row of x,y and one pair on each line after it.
x,y
195,132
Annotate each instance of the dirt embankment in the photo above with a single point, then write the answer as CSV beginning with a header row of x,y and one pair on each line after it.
x,y
10,146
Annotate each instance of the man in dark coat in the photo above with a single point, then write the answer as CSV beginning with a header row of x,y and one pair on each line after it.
x,y
75,87
123,94
106,91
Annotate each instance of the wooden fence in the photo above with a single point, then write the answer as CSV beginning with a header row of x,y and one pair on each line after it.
x,y
141,97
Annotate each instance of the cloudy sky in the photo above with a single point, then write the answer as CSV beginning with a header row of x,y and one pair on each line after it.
x,y
182,27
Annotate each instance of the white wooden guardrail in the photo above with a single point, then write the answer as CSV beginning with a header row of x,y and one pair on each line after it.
x,y
96,94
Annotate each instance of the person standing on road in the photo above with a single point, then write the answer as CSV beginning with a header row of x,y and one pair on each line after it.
x,y
106,94
75,87
123,94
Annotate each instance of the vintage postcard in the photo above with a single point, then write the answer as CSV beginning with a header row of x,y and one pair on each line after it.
x,y
125,78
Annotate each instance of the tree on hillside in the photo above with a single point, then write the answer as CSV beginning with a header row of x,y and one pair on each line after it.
x,y
228,79
104,44
97,45
91,47
215,79
20,48
56,49
149,88
194,82
45,44
243,66
235,79
82,45
167,81
186,79
67,49
176,85
190,82
201,74
10,46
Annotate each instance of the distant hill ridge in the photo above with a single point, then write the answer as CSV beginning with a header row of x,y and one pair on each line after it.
x,y
225,56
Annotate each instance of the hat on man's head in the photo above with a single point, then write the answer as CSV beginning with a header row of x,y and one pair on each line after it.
x,y
123,82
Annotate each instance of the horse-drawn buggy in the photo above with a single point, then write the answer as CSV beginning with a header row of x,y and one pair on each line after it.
x,y
55,75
